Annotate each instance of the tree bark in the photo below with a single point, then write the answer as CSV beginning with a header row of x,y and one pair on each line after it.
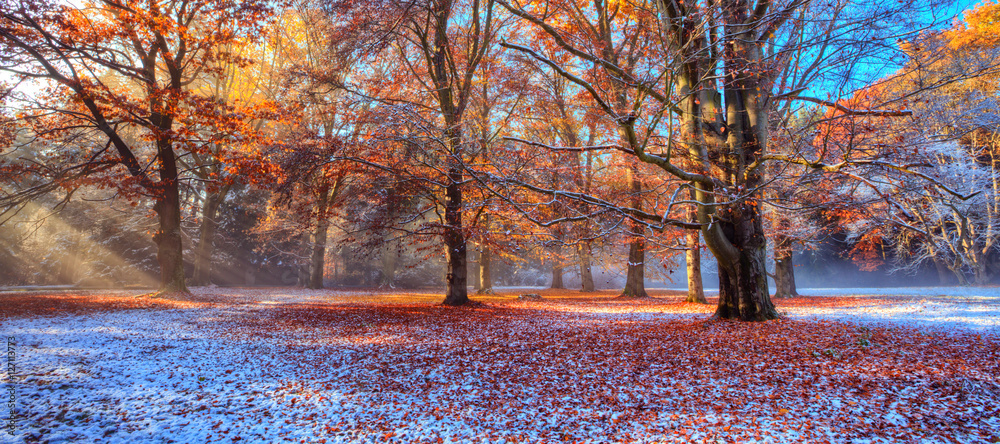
x,y
454,240
452,105
743,292
454,236
206,238
959,275
740,243
944,275
477,282
784,270
170,248
696,289
317,264
635,278
586,276
486,271
981,274
557,276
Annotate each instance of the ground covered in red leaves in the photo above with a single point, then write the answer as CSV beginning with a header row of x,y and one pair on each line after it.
x,y
242,365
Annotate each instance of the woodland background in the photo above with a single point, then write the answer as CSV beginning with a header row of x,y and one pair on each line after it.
x,y
325,143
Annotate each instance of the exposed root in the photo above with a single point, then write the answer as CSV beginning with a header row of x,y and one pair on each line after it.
x,y
468,304
696,300
630,296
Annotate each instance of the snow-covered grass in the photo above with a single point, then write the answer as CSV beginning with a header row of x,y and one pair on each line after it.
x,y
273,365
968,292
933,309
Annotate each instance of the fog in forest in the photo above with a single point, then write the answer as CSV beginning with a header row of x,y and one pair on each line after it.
x,y
84,247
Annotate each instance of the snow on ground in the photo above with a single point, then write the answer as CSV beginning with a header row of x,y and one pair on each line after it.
x,y
274,365
933,308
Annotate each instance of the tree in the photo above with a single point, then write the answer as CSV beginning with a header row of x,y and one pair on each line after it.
x,y
624,46
118,71
950,85
559,116
716,71
431,51
251,77
314,67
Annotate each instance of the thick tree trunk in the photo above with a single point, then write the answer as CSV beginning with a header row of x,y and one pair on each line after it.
x,y
635,286
696,289
486,271
784,270
454,240
960,275
457,275
743,292
557,265
206,238
586,276
318,261
635,276
981,274
170,248
557,276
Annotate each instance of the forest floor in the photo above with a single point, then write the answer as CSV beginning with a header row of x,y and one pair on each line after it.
x,y
272,365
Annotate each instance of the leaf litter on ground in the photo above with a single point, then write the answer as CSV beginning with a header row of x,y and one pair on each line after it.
x,y
292,365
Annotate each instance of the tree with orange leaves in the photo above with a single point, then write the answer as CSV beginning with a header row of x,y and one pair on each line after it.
x,y
950,86
114,73
424,73
716,72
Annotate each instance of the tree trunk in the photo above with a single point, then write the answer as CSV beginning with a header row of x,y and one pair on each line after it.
x,y
557,265
454,240
635,286
784,270
743,292
477,282
586,277
696,289
390,260
486,271
317,264
944,275
302,261
457,275
635,277
206,238
169,244
557,276
981,274
960,275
